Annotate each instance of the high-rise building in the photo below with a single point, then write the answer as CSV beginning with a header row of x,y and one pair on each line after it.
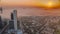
x,y
15,19
14,23
11,24
12,16
1,25
17,31
0,9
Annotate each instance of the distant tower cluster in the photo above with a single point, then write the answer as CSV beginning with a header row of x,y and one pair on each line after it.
x,y
1,23
13,23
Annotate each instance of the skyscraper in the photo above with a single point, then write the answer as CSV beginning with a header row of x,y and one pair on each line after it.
x,y
12,16
1,25
1,9
15,19
13,22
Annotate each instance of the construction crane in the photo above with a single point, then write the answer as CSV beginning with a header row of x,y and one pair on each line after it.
x,y
1,7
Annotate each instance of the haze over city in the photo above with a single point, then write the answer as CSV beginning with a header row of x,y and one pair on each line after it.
x,y
30,7
29,16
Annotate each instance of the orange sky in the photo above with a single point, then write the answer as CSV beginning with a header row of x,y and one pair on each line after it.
x,y
37,3
30,11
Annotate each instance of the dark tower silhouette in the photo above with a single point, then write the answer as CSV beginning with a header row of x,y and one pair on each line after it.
x,y
0,19
11,22
1,25
12,16
1,9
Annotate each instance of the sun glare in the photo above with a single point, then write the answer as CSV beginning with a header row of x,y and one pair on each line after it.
x,y
32,3
50,4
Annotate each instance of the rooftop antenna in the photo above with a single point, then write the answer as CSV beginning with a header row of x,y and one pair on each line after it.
x,y
1,7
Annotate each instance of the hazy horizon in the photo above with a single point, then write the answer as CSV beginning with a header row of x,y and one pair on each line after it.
x,y
30,12
38,3
30,7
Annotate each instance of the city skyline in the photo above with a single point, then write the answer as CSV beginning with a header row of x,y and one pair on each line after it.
x,y
30,12
29,16
28,8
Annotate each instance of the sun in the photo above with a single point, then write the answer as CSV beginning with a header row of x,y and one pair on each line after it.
x,y
50,4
